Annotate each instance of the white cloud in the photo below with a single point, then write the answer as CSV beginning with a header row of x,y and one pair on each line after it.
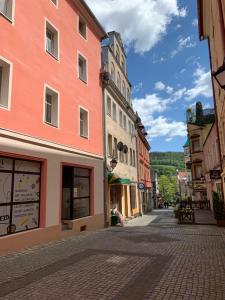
x,y
169,89
182,71
160,86
195,22
183,42
137,87
202,85
142,23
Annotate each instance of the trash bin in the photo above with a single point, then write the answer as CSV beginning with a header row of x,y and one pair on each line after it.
x,y
114,220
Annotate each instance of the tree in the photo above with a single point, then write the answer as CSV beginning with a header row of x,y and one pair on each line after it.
x,y
167,187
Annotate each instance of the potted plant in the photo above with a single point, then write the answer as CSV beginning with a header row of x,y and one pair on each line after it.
x,y
218,208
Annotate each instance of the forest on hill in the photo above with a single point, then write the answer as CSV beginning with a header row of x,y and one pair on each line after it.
x,y
166,163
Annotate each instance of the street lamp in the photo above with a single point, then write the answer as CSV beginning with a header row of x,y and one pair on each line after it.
x,y
113,163
219,75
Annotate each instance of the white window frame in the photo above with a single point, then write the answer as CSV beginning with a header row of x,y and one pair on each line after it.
x,y
46,86
9,100
88,117
85,58
10,18
78,28
57,58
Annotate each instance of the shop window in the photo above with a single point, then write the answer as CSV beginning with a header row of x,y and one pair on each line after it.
x,y
82,67
51,107
5,71
19,195
83,123
109,106
6,8
114,111
52,40
76,193
82,27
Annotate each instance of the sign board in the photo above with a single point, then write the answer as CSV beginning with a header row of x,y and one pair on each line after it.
x,y
199,186
215,174
141,186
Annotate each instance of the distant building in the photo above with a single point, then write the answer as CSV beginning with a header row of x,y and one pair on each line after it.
x,y
199,123
155,188
144,176
120,132
187,161
182,184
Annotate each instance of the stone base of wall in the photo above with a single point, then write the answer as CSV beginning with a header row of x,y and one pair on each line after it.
x,y
27,239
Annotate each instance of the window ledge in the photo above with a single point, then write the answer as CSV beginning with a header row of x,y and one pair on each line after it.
x,y
52,55
50,124
5,17
84,137
84,81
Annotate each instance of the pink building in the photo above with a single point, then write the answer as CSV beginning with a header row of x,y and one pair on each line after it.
x,y
212,164
144,176
51,154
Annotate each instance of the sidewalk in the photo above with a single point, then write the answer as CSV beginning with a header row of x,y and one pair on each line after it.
x,y
204,217
145,220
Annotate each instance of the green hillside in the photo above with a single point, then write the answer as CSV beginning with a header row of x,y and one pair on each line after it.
x,y
167,162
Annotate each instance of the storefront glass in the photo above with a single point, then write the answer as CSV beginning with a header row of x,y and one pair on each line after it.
x,y
19,195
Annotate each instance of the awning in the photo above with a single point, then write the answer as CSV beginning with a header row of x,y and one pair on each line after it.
x,y
114,178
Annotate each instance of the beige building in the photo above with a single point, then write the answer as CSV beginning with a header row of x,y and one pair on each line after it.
x,y
120,133
211,16
187,161
199,123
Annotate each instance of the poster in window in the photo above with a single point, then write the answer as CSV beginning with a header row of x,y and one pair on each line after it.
x,y
27,166
26,187
6,164
5,187
25,216
4,219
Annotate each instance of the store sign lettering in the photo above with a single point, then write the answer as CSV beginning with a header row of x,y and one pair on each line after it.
x,y
4,218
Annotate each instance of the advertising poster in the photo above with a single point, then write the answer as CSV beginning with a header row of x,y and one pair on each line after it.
x,y
4,219
5,187
26,187
6,164
25,216
27,166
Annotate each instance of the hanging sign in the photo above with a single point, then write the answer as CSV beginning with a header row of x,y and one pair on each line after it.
x,y
141,186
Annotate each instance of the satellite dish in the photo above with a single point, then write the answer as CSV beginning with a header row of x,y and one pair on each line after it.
x,y
120,146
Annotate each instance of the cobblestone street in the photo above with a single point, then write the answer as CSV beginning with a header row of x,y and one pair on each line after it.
x,y
159,260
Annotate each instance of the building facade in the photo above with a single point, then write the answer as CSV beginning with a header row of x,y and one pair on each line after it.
x,y
187,162
199,123
51,154
212,164
144,176
120,133
211,17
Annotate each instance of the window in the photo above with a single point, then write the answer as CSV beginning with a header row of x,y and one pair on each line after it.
x,y
129,126
124,122
19,202
124,89
128,95
114,111
198,172
54,1
126,157
121,119
118,81
82,67
109,106
52,40
121,156
110,149
112,72
83,123
131,158
115,150
76,193
82,27
117,54
6,8
123,64
51,107
134,163
5,83
196,145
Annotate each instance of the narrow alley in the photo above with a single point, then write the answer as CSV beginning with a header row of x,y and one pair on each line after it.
x,y
150,258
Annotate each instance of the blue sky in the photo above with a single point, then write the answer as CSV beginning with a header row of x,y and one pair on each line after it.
x,y
167,64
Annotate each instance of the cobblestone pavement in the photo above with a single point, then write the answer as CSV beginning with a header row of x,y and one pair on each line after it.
x,y
161,260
